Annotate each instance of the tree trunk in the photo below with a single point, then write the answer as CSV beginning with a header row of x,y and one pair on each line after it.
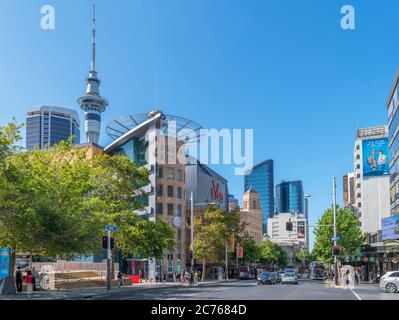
x,y
203,270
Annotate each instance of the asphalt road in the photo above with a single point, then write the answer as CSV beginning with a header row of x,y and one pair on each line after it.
x,y
247,290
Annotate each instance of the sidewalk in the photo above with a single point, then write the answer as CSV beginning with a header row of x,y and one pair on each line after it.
x,y
331,284
88,293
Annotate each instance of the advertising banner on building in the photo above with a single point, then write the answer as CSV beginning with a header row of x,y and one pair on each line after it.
x,y
4,262
375,157
390,228
301,232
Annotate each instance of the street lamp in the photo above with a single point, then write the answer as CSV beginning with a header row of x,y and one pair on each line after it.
x,y
192,226
334,194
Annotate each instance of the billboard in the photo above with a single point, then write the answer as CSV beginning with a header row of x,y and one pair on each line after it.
x,y
390,228
4,262
375,157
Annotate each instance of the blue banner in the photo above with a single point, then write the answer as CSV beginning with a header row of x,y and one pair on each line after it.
x,y
375,157
4,262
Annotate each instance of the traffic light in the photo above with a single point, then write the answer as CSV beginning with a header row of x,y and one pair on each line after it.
x,y
289,226
105,243
336,250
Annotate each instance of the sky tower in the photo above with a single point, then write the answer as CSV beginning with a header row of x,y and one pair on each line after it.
x,y
92,103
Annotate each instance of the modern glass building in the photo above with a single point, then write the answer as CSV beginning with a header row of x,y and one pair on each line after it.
x,y
261,179
48,125
290,197
393,128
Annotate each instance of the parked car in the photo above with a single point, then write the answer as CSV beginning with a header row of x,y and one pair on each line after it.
x,y
289,278
267,278
280,276
390,282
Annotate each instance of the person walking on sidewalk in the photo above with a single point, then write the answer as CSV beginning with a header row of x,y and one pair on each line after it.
x,y
34,279
120,279
29,287
357,277
18,279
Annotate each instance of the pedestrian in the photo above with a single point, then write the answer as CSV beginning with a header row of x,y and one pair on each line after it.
x,y
164,277
18,279
120,279
42,276
196,277
191,278
199,275
29,282
156,277
140,276
357,277
34,279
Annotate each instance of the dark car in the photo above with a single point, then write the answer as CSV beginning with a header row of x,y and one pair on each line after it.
x,y
267,278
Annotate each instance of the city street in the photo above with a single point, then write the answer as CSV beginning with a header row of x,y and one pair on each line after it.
x,y
249,290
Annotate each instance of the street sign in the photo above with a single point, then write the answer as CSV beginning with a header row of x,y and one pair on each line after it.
x,y
110,228
335,238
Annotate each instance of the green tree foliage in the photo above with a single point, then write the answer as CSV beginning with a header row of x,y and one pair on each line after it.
x,y
348,230
210,236
251,250
272,255
56,202
304,256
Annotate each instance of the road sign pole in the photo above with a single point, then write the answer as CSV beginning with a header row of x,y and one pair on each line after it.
x,y
109,261
335,231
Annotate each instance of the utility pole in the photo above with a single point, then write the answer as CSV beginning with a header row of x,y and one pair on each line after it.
x,y
335,231
227,263
192,232
109,261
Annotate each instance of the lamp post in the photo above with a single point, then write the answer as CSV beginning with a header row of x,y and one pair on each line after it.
x,y
192,226
334,224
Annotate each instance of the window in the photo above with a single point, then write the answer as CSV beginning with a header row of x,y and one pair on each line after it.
x,y
160,172
357,147
358,186
171,174
170,209
178,211
358,176
170,191
160,190
394,275
159,208
358,157
358,166
179,175
170,256
359,195
179,193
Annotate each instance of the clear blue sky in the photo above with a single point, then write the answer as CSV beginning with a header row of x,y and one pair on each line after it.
x,y
284,68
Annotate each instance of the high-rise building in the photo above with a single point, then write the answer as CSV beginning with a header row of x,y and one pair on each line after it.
x,y
47,126
290,197
233,202
371,177
348,183
261,178
92,103
393,125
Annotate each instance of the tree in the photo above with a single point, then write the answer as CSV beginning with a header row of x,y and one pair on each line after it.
x,y
251,250
272,255
348,230
210,236
304,256
56,202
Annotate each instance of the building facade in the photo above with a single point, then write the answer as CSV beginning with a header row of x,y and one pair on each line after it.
x,y
393,128
290,197
48,125
147,142
371,177
348,184
251,215
261,178
233,203
277,227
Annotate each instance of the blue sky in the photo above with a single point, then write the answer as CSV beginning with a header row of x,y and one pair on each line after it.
x,y
284,68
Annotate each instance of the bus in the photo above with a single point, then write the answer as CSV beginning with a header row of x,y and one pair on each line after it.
x,y
318,271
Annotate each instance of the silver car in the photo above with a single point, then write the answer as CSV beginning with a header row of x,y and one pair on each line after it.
x,y
390,282
289,278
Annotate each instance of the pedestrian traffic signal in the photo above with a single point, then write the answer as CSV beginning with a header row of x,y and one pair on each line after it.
x,y
289,226
336,250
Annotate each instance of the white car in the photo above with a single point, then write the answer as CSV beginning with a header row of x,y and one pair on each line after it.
x,y
289,278
390,282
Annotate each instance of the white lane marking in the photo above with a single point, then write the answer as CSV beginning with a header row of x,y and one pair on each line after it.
x,y
356,295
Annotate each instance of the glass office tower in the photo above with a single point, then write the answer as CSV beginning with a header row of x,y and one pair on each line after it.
x,y
261,179
290,197
51,125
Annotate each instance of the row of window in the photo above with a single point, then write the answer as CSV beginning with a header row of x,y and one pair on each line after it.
x,y
170,191
170,174
170,209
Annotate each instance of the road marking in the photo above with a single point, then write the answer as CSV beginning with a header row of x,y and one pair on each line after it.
x,y
356,295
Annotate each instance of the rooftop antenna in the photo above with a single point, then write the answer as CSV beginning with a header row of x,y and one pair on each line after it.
x,y
93,61
156,88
